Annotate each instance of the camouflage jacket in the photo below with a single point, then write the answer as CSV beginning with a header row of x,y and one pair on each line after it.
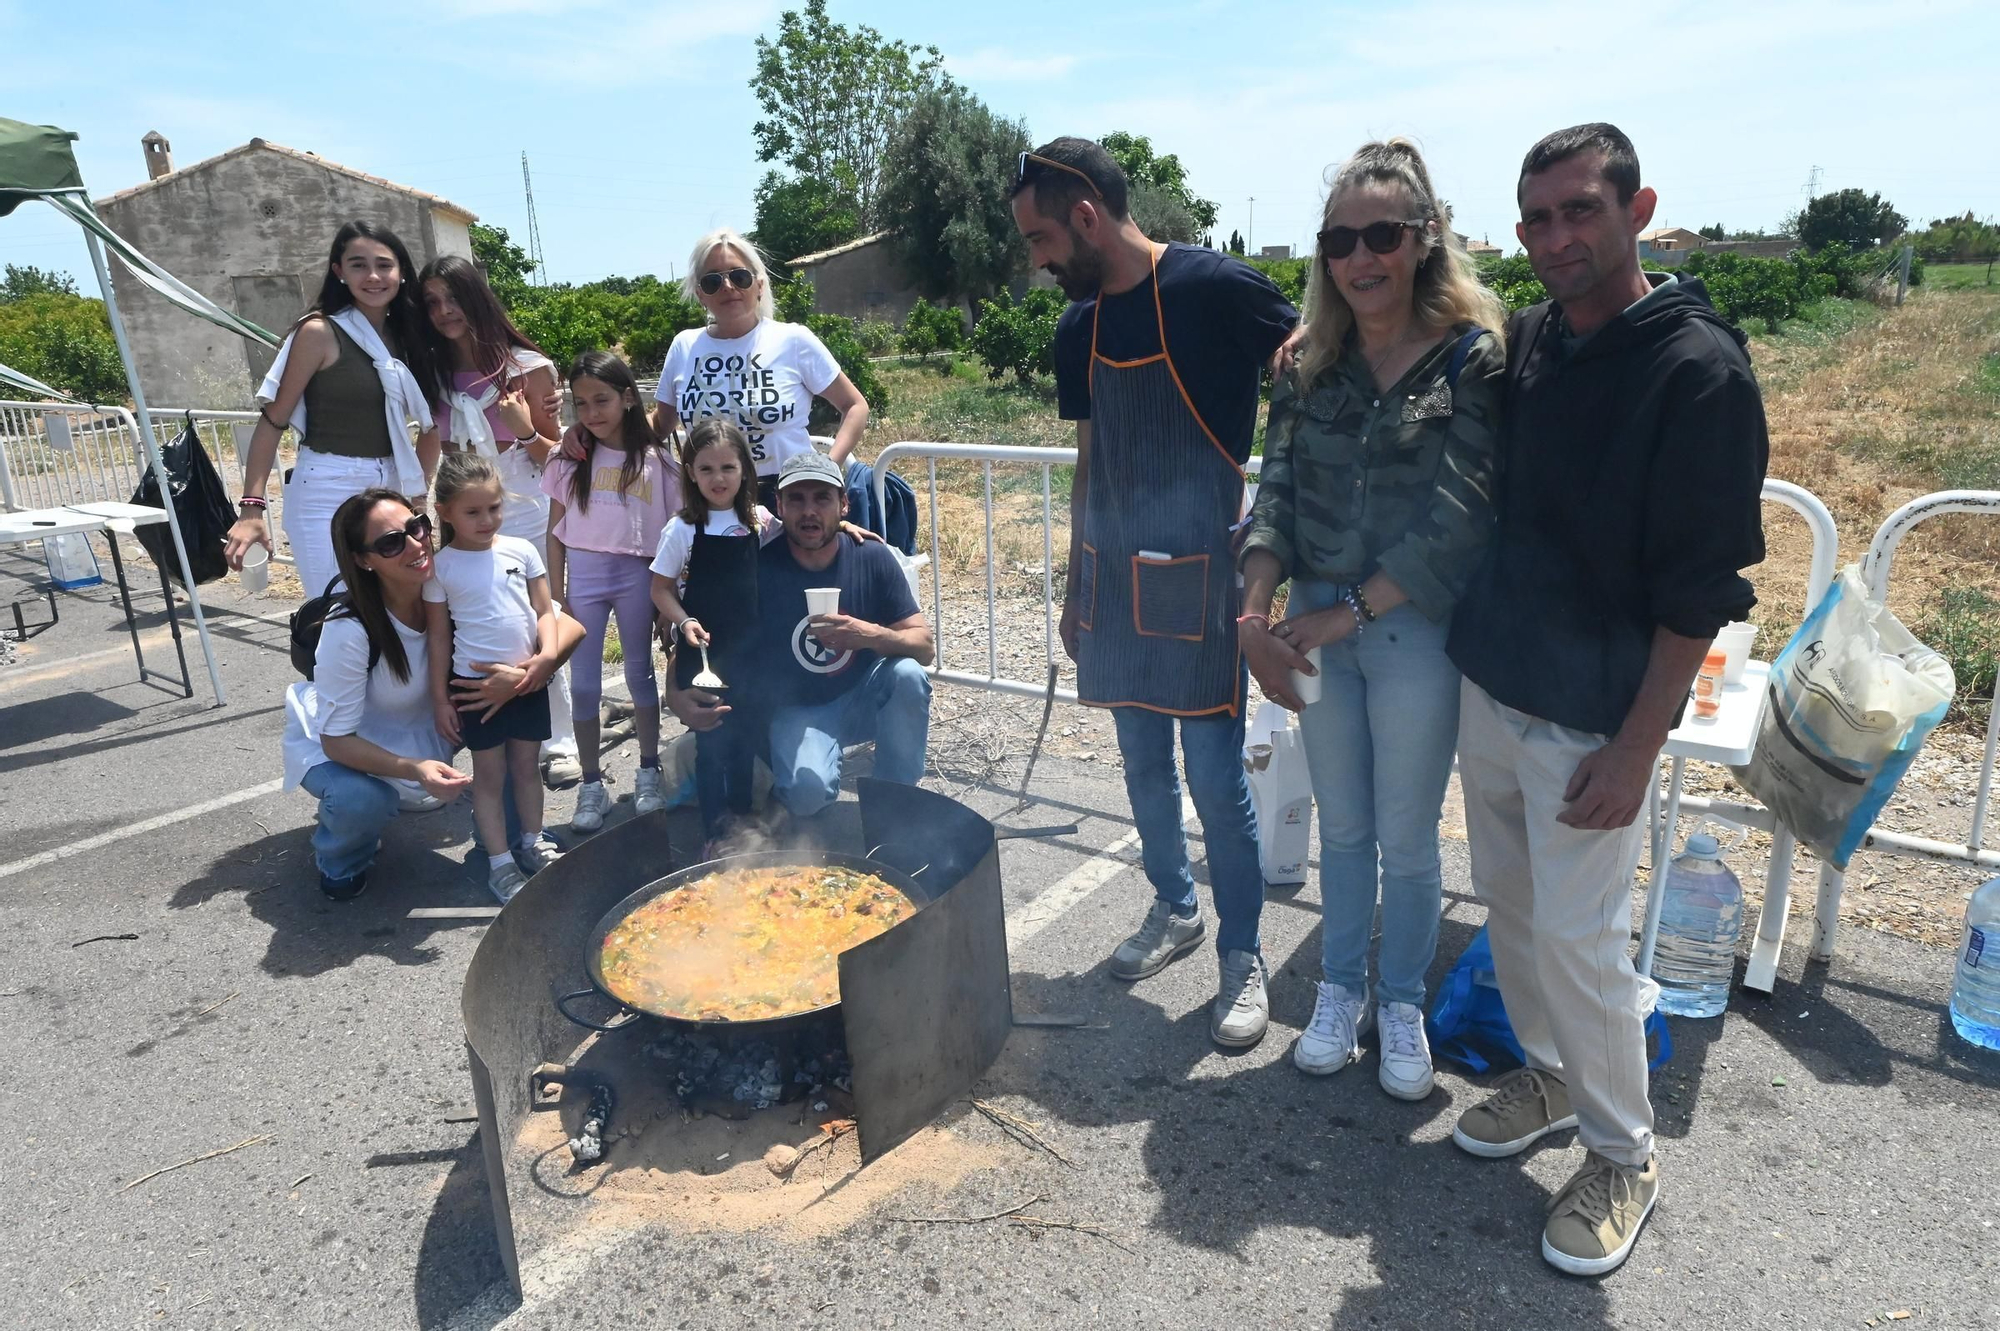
x,y
1401,480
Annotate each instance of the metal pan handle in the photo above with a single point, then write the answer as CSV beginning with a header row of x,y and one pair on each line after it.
x,y
564,1000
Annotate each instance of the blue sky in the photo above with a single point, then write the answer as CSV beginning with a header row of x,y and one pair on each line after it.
x,y
636,116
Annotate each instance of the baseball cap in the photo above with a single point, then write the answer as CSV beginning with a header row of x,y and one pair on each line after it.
x,y
813,466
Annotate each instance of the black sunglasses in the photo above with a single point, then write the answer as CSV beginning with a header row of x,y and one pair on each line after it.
x,y
390,543
740,278
1035,160
1382,237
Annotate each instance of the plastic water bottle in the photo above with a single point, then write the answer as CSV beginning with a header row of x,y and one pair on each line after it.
x,y
1700,918
1975,999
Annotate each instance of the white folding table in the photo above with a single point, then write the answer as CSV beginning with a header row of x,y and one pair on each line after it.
x,y
1729,739
113,518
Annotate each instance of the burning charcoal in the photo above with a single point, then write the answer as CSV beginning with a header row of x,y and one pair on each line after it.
x,y
587,1147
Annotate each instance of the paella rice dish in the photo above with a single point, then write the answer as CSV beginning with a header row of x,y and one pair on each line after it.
x,y
747,944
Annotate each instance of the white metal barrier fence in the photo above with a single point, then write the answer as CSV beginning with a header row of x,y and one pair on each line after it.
x,y
1824,561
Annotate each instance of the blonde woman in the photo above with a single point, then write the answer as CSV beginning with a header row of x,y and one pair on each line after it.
x,y
1376,501
748,366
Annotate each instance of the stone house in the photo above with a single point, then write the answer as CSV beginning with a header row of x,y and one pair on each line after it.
x,y
249,229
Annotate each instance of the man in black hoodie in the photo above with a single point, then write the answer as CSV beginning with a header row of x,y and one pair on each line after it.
x,y
1632,458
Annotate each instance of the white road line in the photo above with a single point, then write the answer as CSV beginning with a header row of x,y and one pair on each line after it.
x,y
1078,883
271,787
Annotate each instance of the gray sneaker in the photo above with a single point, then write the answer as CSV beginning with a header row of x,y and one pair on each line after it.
x,y
1242,1010
504,880
1163,937
561,770
1526,1106
537,855
592,802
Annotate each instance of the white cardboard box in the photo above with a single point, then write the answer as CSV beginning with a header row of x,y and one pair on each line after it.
x,y
1274,761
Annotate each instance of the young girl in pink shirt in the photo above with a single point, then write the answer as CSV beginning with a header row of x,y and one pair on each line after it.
x,y
606,513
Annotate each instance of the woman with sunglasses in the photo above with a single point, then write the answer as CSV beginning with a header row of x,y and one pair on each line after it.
x,y
362,725
1376,501
748,366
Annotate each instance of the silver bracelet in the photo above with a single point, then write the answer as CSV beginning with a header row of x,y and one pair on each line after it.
x,y
1360,620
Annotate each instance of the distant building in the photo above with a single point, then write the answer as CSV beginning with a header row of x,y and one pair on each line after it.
x,y
1480,249
863,279
1673,238
249,229
1669,246
1275,252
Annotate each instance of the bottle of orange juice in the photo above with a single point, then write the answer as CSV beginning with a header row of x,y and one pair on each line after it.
x,y
1708,685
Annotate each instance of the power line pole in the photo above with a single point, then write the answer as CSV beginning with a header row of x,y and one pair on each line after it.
x,y
1251,243
1812,185
534,225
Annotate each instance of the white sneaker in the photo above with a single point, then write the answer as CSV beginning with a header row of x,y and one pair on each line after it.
x,y
647,795
592,803
413,798
1406,1054
561,770
1163,937
1242,1011
504,880
1332,1039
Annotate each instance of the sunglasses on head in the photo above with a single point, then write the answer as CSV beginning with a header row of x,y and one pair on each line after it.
x,y
1031,160
1381,237
740,278
390,543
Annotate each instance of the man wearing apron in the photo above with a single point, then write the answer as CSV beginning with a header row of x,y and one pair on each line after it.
x,y
1159,360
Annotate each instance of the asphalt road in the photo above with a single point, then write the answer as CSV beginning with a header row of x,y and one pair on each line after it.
x,y
1826,1154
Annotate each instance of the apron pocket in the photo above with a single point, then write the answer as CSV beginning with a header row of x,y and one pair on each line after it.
x,y
1170,597
1086,589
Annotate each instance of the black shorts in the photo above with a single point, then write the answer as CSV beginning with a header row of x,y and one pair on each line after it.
x,y
525,717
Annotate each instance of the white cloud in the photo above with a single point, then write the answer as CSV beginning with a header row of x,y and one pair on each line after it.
x,y
993,64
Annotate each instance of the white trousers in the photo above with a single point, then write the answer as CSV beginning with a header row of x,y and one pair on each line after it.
x,y
319,484
1559,915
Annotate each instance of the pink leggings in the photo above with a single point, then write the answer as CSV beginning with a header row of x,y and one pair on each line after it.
x,y
600,585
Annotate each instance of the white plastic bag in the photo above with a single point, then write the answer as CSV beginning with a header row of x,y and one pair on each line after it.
x,y
1274,761
1852,698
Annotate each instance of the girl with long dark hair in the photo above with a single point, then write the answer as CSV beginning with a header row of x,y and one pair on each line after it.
x,y
493,394
349,380
606,513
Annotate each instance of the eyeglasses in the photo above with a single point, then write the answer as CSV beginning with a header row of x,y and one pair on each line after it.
x,y
390,543
740,278
1382,237
1021,171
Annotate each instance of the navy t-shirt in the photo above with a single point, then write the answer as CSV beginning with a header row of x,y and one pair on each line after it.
x,y
1224,319
799,671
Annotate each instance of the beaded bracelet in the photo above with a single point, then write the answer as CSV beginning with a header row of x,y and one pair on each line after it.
x,y
1354,602
253,501
1359,601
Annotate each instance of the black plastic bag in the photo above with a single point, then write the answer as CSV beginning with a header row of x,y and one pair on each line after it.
x,y
201,505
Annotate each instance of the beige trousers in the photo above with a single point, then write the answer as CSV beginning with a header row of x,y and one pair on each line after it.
x,y
1559,915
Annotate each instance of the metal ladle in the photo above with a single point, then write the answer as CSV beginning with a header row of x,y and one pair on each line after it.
x,y
707,679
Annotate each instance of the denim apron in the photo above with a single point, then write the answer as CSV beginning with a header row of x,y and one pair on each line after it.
x,y
721,592
1157,588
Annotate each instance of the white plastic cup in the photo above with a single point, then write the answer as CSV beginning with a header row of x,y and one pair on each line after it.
x,y
1308,687
256,572
1734,642
822,601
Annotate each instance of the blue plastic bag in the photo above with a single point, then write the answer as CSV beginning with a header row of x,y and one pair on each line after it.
x,y
1468,1022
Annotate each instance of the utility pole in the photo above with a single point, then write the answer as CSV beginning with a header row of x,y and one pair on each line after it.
x,y
1903,273
534,225
1812,185
1251,243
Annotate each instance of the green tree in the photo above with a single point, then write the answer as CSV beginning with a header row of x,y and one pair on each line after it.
x,y
1714,232
1964,239
838,334
65,341
23,282
648,319
945,180
1018,336
832,98
802,215
1162,215
1134,152
930,329
566,320
506,264
1236,242
1849,217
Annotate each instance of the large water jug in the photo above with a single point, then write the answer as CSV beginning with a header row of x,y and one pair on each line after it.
x,y
1975,999
1701,914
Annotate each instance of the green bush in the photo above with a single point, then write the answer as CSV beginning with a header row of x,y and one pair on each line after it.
x,y
794,297
838,333
1288,275
564,321
65,341
649,318
931,329
1018,336
876,336
1513,280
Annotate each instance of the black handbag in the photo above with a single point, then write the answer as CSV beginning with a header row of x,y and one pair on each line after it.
x,y
201,507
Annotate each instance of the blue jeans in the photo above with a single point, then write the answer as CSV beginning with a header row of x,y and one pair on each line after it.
x,y
354,807
1379,744
891,705
1214,749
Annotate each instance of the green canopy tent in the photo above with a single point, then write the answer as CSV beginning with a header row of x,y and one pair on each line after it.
x,y
36,163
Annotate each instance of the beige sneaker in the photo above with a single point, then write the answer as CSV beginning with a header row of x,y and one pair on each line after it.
x,y
1595,1218
1526,1106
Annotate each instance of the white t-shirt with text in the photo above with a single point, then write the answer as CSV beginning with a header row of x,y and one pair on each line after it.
x,y
492,617
766,380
